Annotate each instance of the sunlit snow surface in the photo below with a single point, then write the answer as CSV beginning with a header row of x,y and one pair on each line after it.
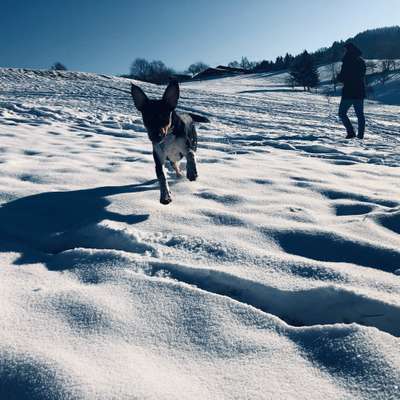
x,y
276,275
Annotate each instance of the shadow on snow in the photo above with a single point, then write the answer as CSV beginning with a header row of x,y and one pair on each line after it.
x,y
46,223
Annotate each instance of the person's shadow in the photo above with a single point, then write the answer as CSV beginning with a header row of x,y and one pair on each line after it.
x,y
40,225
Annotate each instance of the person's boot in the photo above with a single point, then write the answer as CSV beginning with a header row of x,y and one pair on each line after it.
x,y
360,135
350,135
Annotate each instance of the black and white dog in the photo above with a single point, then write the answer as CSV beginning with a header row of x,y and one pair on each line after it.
x,y
173,135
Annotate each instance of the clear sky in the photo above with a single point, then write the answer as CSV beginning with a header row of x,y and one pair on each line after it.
x,y
106,35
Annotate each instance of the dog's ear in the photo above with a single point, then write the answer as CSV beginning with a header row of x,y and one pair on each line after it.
x,y
139,97
171,95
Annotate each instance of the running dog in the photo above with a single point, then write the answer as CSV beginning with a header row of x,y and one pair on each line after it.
x,y
173,135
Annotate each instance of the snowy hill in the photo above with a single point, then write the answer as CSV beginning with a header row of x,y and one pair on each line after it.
x,y
274,276
388,93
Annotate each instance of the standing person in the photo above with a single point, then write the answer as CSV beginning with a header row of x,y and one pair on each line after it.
x,y
352,76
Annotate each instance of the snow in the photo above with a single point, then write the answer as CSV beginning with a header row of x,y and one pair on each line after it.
x,y
274,276
389,93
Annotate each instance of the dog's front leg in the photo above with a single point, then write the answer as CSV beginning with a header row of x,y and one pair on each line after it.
x,y
165,195
191,168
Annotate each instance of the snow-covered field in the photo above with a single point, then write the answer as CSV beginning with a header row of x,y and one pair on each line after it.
x,y
274,276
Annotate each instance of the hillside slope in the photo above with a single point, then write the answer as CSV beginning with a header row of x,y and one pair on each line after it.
x,y
275,275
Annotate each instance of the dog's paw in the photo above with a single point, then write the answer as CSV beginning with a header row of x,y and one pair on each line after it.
x,y
165,199
192,174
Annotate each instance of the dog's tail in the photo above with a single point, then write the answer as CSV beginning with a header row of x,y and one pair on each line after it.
x,y
198,118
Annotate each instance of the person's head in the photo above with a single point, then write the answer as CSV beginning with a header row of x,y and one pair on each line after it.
x,y
352,49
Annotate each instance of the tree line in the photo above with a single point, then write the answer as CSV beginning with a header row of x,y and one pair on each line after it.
x,y
382,43
157,72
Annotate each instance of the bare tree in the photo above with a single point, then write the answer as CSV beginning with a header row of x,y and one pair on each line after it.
x,y
387,66
334,76
154,71
371,65
234,64
197,67
245,63
140,68
159,72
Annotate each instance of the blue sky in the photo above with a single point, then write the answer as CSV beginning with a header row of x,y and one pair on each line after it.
x,y
105,36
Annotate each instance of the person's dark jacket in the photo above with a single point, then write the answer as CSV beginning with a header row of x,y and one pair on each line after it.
x,y
352,75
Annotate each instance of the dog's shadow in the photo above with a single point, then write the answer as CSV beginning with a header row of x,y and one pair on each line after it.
x,y
37,226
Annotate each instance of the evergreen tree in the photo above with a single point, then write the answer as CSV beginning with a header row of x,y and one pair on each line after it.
x,y
304,72
381,43
279,63
337,51
288,60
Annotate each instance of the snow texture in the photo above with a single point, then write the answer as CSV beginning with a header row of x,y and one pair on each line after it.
x,y
274,276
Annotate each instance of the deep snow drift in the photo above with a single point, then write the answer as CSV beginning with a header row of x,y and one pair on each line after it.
x,y
274,276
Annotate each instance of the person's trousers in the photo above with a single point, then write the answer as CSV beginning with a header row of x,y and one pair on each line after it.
x,y
358,105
